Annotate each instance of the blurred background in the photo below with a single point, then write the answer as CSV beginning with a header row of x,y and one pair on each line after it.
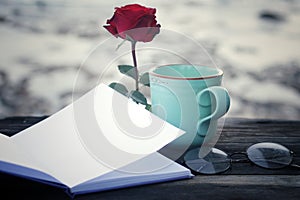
x,y
47,46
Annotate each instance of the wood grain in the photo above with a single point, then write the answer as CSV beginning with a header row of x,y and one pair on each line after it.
x,y
242,181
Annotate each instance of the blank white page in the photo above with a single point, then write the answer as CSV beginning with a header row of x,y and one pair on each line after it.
x,y
72,145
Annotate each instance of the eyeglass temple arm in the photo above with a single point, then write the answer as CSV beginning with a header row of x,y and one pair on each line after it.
x,y
295,165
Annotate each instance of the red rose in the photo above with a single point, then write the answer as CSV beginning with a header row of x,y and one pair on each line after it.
x,y
134,22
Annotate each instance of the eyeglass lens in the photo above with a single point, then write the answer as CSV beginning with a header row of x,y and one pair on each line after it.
x,y
267,155
214,162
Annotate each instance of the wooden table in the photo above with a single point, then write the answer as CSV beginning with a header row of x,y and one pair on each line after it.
x,y
242,181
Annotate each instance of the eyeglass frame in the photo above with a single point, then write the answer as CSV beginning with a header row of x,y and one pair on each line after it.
x,y
231,160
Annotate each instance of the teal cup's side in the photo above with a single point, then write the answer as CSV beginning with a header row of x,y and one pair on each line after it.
x,y
191,98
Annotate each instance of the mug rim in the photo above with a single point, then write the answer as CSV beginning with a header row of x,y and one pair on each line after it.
x,y
219,73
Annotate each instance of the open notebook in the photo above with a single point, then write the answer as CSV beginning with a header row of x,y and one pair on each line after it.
x,y
86,147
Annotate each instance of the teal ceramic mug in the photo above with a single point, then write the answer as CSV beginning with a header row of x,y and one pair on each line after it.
x,y
191,98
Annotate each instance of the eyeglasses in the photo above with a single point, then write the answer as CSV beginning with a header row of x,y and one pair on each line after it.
x,y
267,155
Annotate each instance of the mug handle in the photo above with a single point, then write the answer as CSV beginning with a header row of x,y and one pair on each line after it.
x,y
219,100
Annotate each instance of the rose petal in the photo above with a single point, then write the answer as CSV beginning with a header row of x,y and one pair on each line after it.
x,y
112,30
134,16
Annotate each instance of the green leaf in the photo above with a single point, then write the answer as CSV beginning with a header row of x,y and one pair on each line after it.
x,y
127,70
144,79
119,87
138,97
148,107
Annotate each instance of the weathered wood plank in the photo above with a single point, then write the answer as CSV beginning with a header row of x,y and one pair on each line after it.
x,y
242,181
12,125
200,187
236,136
276,180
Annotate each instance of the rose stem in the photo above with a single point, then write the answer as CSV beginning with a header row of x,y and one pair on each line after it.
x,y
133,43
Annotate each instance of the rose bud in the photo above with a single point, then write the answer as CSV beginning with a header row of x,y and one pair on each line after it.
x,y
133,22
